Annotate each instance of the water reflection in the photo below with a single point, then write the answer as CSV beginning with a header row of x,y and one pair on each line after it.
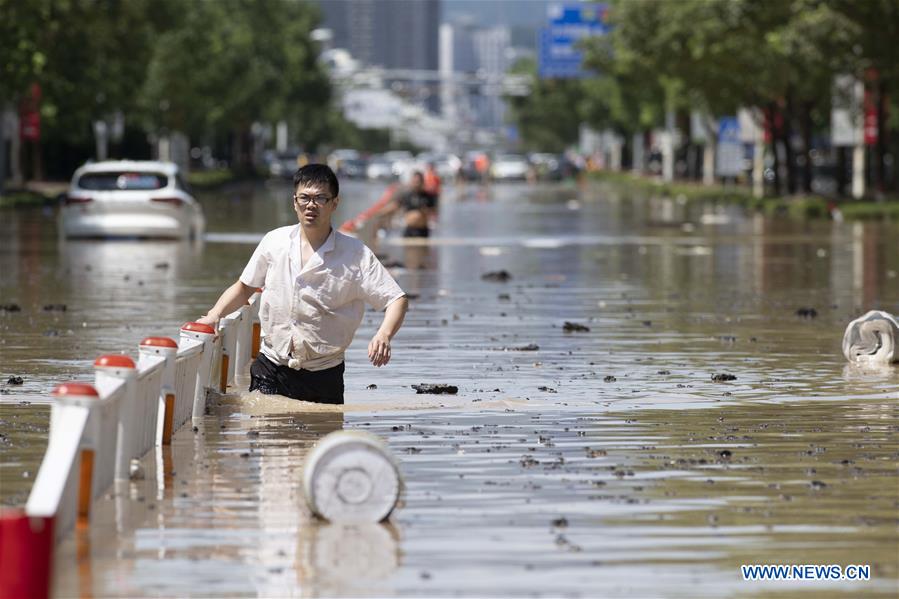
x,y
334,559
619,430
113,265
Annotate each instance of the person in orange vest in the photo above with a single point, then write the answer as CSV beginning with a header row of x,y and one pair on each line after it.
x,y
431,187
432,181
482,166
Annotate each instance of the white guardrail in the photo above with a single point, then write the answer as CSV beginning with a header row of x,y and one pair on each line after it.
x,y
96,430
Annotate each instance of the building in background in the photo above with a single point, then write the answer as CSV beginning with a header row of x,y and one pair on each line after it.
x,y
454,68
392,34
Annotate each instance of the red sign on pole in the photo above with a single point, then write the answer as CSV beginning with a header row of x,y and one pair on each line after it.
x,y
30,115
872,126
30,126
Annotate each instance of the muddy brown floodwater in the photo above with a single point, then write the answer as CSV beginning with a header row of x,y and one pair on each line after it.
x,y
600,457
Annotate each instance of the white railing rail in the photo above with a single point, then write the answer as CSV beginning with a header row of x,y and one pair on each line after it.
x,y
96,430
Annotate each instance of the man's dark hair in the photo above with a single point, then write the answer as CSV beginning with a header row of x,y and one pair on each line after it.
x,y
317,174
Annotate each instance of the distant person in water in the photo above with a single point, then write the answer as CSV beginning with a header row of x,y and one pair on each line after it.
x,y
418,206
431,182
316,283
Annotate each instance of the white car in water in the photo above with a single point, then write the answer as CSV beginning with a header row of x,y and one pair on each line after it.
x,y
130,199
507,167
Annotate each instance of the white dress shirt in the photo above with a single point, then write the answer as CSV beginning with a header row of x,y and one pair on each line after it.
x,y
310,312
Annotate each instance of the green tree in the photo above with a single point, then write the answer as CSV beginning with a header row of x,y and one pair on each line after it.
x,y
232,62
548,117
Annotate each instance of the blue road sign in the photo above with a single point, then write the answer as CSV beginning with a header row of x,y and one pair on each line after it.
x,y
728,130
729,151
568,23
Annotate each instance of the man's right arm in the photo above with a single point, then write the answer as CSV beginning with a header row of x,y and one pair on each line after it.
x,y
233,298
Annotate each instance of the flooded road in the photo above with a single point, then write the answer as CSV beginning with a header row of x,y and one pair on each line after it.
x,y
599,459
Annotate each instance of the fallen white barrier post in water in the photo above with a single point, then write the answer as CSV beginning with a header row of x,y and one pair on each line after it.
x,y
97,430
350,477
872,338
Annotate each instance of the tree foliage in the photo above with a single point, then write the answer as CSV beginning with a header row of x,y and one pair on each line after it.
x,y
206,68
715,56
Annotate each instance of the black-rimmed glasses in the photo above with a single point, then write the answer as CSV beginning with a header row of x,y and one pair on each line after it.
x,y
305,200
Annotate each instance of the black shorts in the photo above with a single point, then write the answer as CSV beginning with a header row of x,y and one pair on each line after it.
x,y
320,386
416,232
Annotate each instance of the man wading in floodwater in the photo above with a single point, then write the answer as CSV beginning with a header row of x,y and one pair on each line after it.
x,y
316,282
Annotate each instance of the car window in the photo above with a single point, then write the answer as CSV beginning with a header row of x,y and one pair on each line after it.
x,y
122,181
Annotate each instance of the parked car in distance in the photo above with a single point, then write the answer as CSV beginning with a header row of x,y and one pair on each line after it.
x,y
446,165
508,167
547,167
401,162
282,164
336,158
141,199
379,168
352,168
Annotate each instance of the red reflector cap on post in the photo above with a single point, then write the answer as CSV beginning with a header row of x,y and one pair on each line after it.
x,y
198,327
114,361
159,342
75,390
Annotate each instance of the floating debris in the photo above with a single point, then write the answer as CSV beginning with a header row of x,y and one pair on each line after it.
x,y
725,453
504,297
528,347
55,308
436,389
15,380
546,389
499,276
723,376
609,379
806,313
574,327
372,386
135,470
10,308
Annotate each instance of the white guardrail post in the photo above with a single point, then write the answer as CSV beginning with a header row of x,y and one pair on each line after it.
x,y
229,331
96,430
110,372
166,349
191,334
150,372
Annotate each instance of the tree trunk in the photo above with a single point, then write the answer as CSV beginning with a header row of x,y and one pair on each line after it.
x,y
775,140
709,150
788,146
879,162
841,171
3,159
37,162
806,127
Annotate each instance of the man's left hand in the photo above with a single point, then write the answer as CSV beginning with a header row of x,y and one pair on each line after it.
x,y
379,349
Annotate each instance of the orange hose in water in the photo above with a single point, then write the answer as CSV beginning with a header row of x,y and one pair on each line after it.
x,y
352,224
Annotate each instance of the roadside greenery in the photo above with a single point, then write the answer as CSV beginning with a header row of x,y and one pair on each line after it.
x,y
205,69
779,57
800,206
